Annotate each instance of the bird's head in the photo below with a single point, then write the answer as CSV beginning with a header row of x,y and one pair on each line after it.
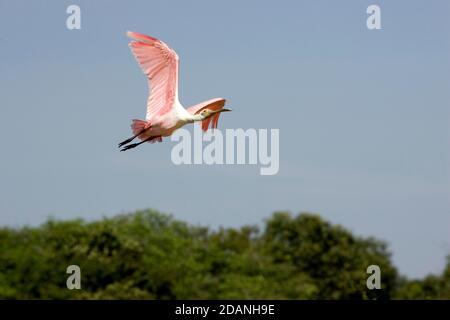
x,y
206,113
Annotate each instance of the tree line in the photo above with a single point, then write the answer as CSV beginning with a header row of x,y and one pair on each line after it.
x,y
149,255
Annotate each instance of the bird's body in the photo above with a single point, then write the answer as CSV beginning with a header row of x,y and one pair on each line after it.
x,y
165,114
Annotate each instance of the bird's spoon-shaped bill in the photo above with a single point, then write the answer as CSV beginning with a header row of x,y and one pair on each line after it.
x,y
221,110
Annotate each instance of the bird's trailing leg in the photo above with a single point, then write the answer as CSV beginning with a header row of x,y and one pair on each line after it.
x,y
132,138
134,145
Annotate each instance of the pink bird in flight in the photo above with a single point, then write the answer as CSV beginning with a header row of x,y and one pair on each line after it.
x,y
165,113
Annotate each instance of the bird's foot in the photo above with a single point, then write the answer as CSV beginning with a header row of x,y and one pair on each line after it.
x,y
125,142
130,146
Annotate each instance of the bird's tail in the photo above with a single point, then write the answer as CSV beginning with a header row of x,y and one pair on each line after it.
x,y
137,126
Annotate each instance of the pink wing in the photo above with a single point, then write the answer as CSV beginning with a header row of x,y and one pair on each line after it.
x,y
213,104
160,64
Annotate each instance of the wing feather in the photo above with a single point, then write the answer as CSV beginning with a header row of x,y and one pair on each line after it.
x,y
160,64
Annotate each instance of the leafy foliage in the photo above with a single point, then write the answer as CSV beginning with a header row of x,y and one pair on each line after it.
x,y
148,255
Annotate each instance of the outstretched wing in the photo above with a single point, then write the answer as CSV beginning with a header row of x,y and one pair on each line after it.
x,y
213,104
160,65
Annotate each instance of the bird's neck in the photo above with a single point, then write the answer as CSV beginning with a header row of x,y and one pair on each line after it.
x,y
186,116
197,117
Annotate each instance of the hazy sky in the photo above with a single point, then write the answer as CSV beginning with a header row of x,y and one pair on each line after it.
x,y
363,115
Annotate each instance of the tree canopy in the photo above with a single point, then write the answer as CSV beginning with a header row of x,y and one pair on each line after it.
x,y
149,255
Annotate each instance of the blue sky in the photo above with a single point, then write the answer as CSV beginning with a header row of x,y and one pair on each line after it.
x,y
363,115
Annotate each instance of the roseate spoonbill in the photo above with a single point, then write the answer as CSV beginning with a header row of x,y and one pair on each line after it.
x,y
165,113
